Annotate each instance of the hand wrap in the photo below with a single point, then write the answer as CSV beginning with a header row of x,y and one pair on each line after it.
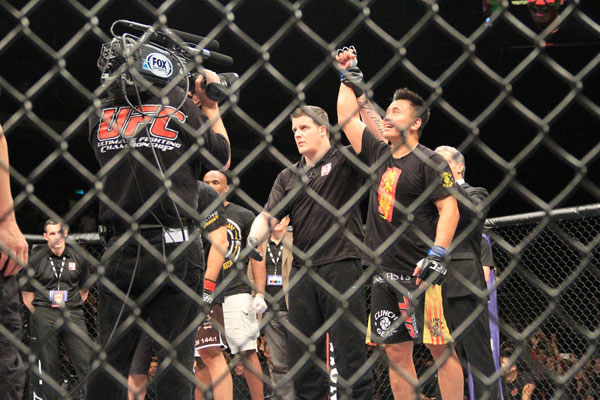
x,y
352,76
208,291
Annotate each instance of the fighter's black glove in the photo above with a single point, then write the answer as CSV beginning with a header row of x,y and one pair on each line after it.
x,y
433,267
252,243
208,292
353,76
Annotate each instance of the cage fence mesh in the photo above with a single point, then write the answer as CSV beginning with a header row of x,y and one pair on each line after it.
x,y
548,273
551,294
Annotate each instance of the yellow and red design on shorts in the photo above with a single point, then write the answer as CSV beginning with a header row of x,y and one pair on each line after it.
x,y
436,329
387,192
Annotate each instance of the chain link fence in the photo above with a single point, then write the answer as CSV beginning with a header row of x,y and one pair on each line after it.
x,y
548,297
513,93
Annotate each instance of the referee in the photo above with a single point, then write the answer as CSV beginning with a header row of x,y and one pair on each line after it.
x,y
324,257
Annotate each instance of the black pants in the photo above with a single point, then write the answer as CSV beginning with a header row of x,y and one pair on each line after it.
x,y
50,326
311,307
473,345
168,302
12,372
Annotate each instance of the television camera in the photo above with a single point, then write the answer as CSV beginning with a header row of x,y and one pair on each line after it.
x,y
160,57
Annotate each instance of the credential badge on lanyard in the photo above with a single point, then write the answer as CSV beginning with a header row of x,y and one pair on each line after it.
x,y
58,297
275,280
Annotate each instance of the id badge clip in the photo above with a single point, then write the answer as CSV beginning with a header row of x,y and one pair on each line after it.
x,y
274,280
58,298
175,235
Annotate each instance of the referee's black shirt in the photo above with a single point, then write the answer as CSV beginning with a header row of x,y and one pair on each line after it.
x,y
75,272
335,180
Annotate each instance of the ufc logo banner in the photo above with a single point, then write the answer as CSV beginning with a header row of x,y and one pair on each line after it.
x,y
126,122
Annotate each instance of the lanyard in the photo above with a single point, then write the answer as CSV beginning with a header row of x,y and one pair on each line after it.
x,y
275,261
59,274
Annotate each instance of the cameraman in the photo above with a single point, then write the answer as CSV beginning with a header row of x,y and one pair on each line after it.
x,y
150,166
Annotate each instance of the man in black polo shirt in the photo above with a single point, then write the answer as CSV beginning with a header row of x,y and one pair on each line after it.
x,y
411,222
319,193
55,290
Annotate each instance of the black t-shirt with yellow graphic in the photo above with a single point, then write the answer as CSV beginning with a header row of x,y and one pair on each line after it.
x,y
239,221
210,208
212,216
402,216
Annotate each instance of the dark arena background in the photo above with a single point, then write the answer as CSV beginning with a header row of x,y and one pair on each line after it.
x,y
521,101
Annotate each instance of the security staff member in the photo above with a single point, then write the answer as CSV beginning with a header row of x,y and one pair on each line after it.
x,y
465,278
54,293
278,258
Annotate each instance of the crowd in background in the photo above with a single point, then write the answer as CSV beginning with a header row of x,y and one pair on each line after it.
x,y
543,363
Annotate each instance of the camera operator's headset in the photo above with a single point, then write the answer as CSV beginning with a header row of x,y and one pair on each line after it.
x,y
215,91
